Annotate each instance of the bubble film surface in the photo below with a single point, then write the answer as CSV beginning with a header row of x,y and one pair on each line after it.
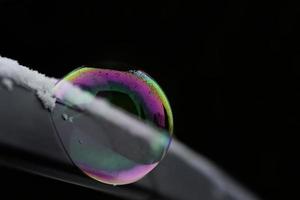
x,y
101,149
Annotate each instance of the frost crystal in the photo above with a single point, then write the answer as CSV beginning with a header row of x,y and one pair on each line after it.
x,y
7,83
31,79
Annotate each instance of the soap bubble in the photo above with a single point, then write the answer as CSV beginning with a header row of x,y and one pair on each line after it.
x,y
107,145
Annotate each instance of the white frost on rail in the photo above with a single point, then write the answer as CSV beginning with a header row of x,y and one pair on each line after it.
x,y
23,76
31,79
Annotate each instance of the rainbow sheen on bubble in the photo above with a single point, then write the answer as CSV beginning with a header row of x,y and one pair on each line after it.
x,y
102,151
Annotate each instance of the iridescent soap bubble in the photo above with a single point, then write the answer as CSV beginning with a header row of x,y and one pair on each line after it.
x,y
100,146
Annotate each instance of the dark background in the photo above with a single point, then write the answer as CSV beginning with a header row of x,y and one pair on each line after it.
x,y
230,70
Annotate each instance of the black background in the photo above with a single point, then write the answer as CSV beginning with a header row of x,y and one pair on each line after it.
x,y
229,68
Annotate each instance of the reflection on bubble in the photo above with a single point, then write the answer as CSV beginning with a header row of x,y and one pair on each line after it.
x,y
100,147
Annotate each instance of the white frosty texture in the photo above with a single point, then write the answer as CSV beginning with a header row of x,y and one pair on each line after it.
x,y
7,83
31,79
